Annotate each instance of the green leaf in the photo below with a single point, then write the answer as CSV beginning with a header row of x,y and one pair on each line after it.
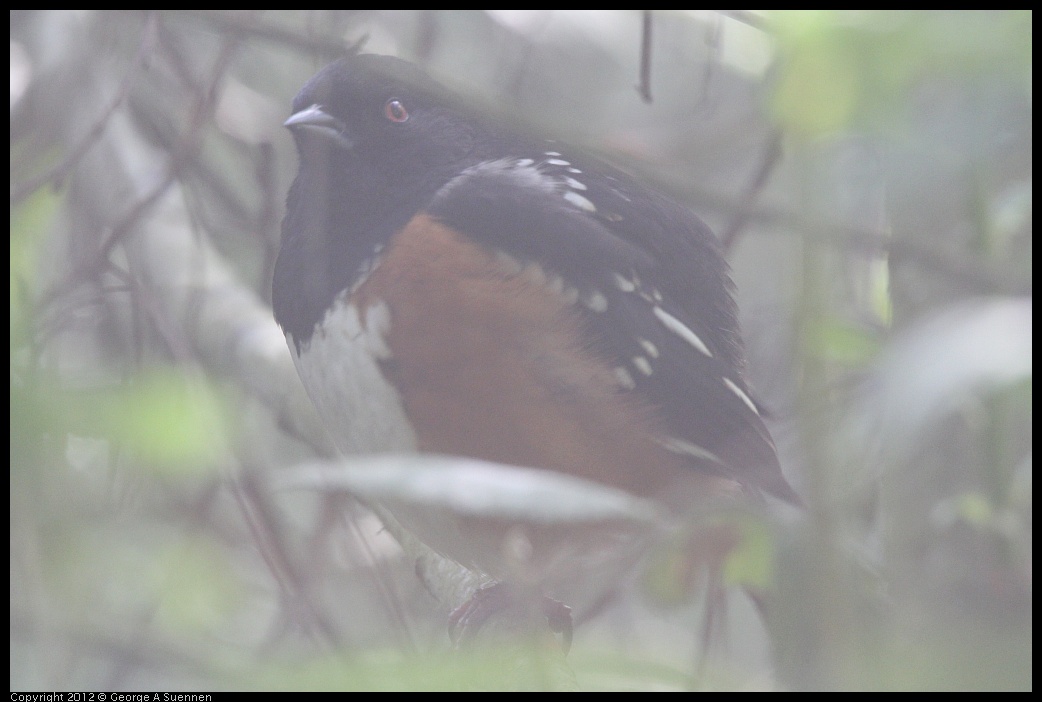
x,y
751,563
844,343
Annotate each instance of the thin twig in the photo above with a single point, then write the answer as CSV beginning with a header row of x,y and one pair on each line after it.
x,y
754,20
58,173
771,157
180,155
229,24
644,86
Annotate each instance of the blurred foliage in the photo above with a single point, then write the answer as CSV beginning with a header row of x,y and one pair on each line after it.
x,y
870,174
843,69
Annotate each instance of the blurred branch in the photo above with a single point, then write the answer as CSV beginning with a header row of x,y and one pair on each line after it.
x,y
284,564
960,269
771,156
644,87
145,251
58,173
254,29
753,19
187,289
176,158
228,329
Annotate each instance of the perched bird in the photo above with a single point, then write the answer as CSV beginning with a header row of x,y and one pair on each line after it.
x,y
448,286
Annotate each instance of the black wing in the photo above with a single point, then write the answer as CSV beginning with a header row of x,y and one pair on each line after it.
x,y
653,288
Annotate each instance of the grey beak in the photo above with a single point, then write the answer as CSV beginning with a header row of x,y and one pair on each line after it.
x,y
317,121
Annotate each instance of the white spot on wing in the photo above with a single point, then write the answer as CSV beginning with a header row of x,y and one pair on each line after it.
x,y
526,173
522,171
623,283
677,327
625,379
687,448
642,365
596,301
557,162
649,348
570,295
741,395
555,283
513,265
534,274
579,201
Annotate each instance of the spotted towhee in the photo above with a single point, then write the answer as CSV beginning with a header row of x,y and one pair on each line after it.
x,y
446,285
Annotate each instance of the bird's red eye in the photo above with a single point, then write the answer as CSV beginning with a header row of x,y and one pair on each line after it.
x,y
395,111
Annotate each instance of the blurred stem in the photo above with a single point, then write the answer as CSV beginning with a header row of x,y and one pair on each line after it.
x,y
998,463
829,633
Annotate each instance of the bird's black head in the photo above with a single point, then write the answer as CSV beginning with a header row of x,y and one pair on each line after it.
x,y
382,118
376,139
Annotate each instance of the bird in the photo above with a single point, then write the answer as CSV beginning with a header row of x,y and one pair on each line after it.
x,y
449,285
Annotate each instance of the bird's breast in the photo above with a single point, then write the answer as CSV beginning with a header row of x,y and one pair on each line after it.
x,y
340,368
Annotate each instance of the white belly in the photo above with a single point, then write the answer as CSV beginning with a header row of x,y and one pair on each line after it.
x,y
339,367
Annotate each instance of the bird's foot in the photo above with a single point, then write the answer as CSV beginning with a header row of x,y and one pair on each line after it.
x,y
500,602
